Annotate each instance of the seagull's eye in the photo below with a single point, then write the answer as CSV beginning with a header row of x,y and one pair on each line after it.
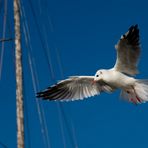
x,y
97,75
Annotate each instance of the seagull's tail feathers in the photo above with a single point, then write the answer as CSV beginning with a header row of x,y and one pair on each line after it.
x,y
138,94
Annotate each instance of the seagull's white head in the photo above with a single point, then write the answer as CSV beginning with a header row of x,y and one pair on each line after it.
x,y
99,75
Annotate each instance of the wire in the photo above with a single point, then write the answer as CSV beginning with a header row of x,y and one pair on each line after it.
x,y
48,61
49,57
6,40
40,110
40,35
4,32
1,6
37,104
60,108
61,124
46,53
26,115
3,145
71,132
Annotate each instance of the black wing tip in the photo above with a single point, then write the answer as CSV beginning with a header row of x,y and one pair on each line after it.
x,y
134,28
132,36
40,94
43,96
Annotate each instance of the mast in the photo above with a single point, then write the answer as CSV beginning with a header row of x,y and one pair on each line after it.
x,y
19,79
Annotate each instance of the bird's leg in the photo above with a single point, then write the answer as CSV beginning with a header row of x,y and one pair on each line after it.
x,y
132,96
139,100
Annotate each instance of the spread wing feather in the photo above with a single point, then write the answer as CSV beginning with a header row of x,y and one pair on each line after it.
x,y
74,88
128,51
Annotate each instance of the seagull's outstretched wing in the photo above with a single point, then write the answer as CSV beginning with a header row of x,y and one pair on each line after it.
x,y
74,88
128,52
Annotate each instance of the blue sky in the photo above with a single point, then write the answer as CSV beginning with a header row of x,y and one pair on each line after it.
x,y
83,34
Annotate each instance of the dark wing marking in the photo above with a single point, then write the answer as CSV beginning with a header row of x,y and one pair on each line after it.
x,y
128,51
74,88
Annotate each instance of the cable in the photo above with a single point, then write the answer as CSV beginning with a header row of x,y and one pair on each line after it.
x,y
40,36
1,5
46,53
3,145
71,132
26,115
6,40
61,124
4,31
40,110
49,57
27,44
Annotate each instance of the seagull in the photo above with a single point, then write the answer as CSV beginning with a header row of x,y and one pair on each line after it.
x,y
121,76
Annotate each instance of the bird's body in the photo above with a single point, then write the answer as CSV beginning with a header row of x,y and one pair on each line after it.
x,y
117,79
107,80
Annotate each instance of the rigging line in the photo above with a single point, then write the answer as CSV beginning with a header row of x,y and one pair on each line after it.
x,y
72,138
27,115
4,32
26,106
9,29
40,35
61,124
35,80
46,129
3,145
45,53
39,32
59,62
49,57
50,23
37,103
72,133
42,110
34,86
39,5
6,39
58,106
1,4
38,108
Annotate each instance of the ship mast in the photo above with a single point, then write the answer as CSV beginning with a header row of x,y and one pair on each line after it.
x,y
19,78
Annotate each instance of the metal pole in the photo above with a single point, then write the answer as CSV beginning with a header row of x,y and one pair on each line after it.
x,y
19,79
